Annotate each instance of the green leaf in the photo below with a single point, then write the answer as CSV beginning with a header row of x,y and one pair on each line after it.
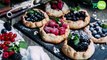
x,y
104,26
76,39
31,11
69,36
10,48
57,19
22,44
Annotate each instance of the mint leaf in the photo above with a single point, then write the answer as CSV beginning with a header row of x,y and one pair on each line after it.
x,y
57,19
10,48
76,39
22,44
69,36
104,26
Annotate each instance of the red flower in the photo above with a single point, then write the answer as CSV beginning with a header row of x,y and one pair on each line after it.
x,y
5,54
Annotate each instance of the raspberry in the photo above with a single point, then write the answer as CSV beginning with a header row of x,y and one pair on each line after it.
x,y
55,31
52,23
12,40
47,29
3,46
60,5
64,25
61,30
14,36
10,34
7,42
5,54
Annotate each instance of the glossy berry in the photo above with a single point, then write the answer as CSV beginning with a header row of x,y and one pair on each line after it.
x,y
5,54
62,30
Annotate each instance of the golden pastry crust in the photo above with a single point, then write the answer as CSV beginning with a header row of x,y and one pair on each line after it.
x,y
80,23
73,54
35,24
95,40
52,38
56,13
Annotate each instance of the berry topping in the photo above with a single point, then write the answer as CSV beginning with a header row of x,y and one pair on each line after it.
x,y
56,4
34,16
76,16
57,27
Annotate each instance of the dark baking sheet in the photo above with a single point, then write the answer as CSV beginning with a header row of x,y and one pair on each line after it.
x,y
100,54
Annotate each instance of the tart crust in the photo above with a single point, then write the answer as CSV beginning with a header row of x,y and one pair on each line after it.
x,y
56,13
80,23
95,40
52,38
35,24
73,54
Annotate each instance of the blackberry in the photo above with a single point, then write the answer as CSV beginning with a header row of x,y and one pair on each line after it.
x,y
7,26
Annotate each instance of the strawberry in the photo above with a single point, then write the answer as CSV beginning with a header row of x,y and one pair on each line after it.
x,y
47,29
11,53
55,31
64,25
61,30
5,54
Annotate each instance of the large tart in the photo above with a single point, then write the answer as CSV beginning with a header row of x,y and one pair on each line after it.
x,y
77,19
55,31
97,33
78,46
35,18
56,8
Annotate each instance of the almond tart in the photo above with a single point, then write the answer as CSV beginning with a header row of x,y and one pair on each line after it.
x,y
35,18
55,31
56,8
78,46
97,33
77,20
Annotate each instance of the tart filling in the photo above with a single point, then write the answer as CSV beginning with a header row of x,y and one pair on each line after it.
x,y
55,31
78,46
56,8
79,40
77,20
35,18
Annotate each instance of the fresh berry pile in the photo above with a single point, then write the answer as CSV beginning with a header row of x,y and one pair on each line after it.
x,y
57,4
81,15
78,40
97,30
57,28
34,16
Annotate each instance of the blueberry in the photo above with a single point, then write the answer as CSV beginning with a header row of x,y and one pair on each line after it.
x,y
104,30
7,26
28,19
99,23
83,46
91,28
97,36
103,35
94,32
3,31
91,25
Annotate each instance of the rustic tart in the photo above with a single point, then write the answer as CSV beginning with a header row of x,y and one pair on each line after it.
x,y
56,8
78,46
97,32
35,18
55,31
77,19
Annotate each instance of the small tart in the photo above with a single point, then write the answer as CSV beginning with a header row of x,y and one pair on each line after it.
x,y
95,40
35,24
53,38
79,23
56,12
73,54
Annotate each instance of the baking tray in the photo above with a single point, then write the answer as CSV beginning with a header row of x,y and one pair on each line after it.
x,y
55,49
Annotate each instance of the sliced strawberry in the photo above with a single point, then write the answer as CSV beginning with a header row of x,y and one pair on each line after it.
x,y
62,30
47,29
64,25
55,31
